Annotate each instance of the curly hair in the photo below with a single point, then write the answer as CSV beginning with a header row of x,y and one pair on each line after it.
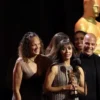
x,y
23,49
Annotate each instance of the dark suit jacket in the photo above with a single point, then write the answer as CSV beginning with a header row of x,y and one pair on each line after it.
x,y
91,67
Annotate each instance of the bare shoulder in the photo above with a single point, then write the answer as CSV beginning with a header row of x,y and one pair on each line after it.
x,y
54,69
17,64
18,60
80,70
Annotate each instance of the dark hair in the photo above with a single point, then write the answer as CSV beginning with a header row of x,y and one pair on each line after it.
x,y
24,46
54,42
78,32
57,57
81,32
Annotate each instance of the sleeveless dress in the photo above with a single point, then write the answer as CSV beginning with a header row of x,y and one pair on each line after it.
x,y
61,79
32,83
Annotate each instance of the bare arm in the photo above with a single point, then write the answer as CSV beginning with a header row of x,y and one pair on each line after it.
x,y
50,78
17,78
82,88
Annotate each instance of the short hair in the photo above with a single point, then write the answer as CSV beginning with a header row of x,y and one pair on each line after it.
x,y
82,32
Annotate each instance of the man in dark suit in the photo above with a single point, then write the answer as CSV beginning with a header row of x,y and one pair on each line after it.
x,y
90,63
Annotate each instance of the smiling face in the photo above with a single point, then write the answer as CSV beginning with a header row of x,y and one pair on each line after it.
x,y
78,40
66,51
89,44
35,45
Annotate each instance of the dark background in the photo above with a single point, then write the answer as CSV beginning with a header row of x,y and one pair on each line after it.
x,y
45,17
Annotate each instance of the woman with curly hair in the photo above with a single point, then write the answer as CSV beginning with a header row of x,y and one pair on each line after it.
x,y
29,69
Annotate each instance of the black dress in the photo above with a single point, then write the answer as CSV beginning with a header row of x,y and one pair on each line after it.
x,y
32,86
31,89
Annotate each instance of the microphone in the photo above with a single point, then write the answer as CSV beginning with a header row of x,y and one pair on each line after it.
x,y
76,62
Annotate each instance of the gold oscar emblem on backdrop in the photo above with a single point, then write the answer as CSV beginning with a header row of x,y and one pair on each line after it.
x,y
88,22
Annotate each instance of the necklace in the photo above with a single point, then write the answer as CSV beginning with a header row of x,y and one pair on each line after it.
x,y
31,60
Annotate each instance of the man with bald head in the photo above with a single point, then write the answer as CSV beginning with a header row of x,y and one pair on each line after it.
x,y
89,44
88,22
90,63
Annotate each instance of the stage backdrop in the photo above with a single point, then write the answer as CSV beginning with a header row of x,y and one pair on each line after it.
x,y
45,17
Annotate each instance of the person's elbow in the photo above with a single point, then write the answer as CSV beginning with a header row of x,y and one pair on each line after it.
x,y
15,90
48,88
